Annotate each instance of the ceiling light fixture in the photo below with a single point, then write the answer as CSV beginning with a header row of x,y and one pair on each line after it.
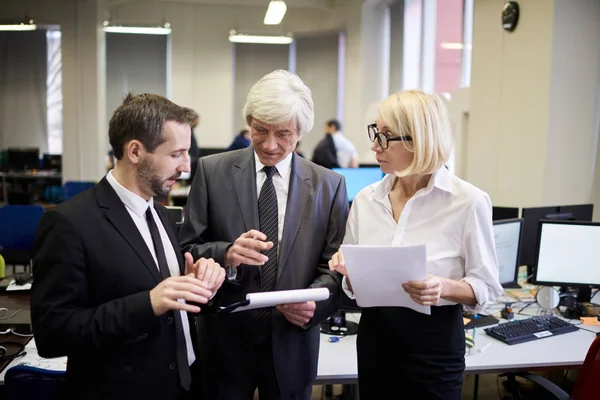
x,y
240,38
22,26
140,30
275,12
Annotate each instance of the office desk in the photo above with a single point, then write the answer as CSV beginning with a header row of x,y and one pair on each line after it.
x,y
12,301
337,361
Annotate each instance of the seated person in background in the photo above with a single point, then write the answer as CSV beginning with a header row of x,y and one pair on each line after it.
x,y
112,290
241,140
421,202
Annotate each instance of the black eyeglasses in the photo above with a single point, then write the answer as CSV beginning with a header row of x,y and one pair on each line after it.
x,y
382,139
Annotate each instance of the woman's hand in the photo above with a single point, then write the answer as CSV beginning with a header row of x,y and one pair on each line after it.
x,y
427,292
338,264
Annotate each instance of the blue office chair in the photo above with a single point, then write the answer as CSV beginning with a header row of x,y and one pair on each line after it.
x,y
73,188
17,232
25,383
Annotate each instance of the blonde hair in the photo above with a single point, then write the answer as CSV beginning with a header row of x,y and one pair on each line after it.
x,y
281,97
423,117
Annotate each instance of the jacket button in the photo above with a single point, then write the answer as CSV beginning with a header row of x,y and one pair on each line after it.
x,y
256,280
169,320
172,365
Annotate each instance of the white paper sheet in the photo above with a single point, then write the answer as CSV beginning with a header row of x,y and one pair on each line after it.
x,y
271,299
13,287
378,272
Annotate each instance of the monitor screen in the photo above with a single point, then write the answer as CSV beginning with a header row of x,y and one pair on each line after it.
x,y
359,178
531,218
568,254
507,238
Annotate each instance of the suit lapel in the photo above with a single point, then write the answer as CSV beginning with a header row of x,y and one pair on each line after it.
x,y
244,179
117,215
300,187
164,218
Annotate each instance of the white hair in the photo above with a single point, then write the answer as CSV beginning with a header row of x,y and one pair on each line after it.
x,y
278,98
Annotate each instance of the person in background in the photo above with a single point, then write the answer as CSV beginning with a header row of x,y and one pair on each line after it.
x,y
241,140
335,150
112,290
419,201
273,220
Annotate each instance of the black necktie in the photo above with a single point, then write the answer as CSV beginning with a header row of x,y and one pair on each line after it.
x,y
185,376
268,218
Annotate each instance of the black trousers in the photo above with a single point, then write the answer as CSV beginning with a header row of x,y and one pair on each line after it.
x,y
416,355
260,374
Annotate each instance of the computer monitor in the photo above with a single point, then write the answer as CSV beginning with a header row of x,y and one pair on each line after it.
x,y
531,218
359,178
23,158
507,238
52,162
568,254
500,213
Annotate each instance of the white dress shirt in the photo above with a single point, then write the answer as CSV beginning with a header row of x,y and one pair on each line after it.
x,y
137,206
346,151
450,216
281,181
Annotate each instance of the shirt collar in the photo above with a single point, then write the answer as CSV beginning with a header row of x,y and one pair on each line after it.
x,y
440,179
283,167
131,200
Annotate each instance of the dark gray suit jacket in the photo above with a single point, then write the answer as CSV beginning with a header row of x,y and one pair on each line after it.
x,y
222,205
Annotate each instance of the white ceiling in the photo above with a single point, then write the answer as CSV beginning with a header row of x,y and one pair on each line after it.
x,y
315,4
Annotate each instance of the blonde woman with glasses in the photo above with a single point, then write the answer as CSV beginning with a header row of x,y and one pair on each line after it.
x,y
420,202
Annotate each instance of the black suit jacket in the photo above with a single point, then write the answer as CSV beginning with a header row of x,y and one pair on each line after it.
x,y
90,300
222,205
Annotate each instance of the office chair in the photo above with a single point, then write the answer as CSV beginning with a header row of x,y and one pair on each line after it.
x,y
586,386
73,188
17,232
25,383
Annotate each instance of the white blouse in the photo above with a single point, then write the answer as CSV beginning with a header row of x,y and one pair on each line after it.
x,y
450,216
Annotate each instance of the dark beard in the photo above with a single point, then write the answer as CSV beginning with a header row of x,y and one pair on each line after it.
x,y
148,175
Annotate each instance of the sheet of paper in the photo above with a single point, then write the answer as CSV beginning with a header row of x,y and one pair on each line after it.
x,y
590,321
378,272
13,287
271,299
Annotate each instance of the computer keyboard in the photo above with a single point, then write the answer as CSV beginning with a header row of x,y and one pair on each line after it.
x,y
529,329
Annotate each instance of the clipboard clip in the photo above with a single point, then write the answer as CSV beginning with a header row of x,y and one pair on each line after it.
x,y
234,306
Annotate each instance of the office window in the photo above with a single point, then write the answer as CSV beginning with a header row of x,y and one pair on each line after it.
x,y
54,100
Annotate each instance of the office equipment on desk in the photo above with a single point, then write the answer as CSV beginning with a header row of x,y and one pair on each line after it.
x,y
501,213
359,178
52,162
377,282
531,218
568,255
529,329
23,158
507,239
271,299
478,320
16,320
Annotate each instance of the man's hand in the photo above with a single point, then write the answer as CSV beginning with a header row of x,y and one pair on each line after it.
x,y
427,292
165,295
206,270
338,264
298,313
246,249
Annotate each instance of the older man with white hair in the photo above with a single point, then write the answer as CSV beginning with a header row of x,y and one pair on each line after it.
x,y
273,220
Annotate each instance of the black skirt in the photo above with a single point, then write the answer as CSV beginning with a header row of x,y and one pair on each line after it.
x,y
403,354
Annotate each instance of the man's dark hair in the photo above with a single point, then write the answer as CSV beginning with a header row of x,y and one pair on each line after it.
x,y
142,118
335,123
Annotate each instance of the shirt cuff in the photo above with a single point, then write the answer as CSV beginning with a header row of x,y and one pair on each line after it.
x,y
346,289
481,294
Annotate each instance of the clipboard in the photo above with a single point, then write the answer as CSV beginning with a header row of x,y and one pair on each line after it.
x,y
271,299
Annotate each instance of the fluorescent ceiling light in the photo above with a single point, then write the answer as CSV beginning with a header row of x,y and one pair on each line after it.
x,y
236,38
275,12
455,46
158,30
18,27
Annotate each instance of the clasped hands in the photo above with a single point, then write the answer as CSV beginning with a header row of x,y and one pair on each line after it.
x,y
198,285
426,293
248,249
